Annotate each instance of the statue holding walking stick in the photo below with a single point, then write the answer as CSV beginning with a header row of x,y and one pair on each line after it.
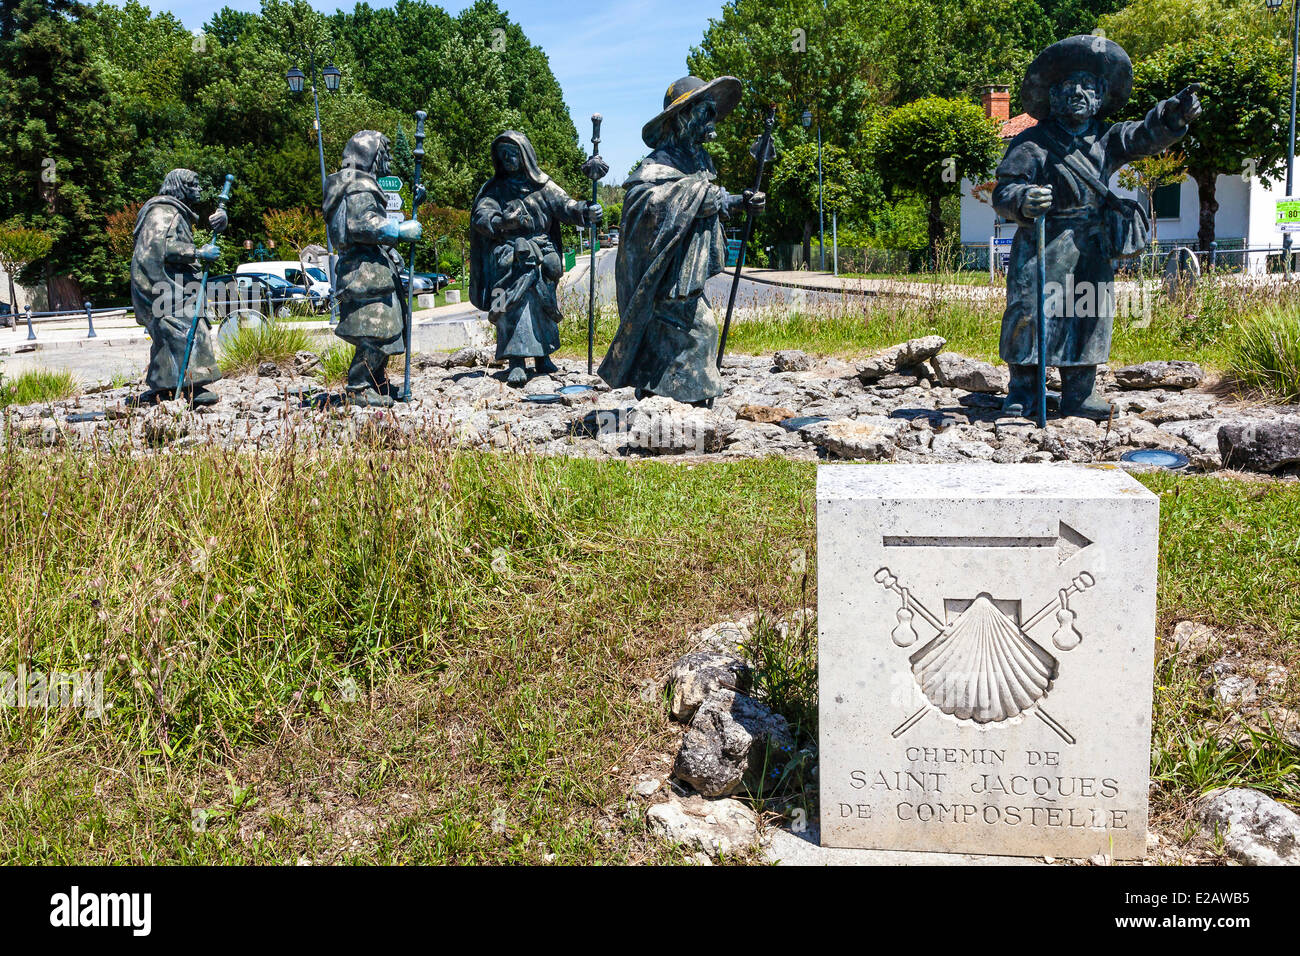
x,y
672,244
374,310
168,295
1052,182
516,254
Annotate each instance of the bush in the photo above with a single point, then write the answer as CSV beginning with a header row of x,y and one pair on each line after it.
x,y
268,343
1265,354
334,364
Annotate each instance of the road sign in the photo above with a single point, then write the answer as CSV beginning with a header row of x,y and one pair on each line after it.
x,y
397,216
999,253
394,201
390,184
1288,214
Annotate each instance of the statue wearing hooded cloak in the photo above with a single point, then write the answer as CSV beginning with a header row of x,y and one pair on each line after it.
x,y
165,284
368,277
671,244
515,252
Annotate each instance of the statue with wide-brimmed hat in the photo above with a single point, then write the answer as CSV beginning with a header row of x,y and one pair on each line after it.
x,y
1060,169
671,244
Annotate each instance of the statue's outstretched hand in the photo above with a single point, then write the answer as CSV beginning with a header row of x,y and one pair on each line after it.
x,y
755,202
1037,200
208,253
218,221
594,213
1184,107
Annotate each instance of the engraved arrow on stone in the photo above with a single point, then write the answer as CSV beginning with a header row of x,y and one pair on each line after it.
x,y
1067,541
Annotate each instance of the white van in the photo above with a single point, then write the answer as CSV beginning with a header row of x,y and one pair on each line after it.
x,y
315,280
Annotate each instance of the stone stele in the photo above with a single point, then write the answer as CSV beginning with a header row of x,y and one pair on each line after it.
x,y
987,634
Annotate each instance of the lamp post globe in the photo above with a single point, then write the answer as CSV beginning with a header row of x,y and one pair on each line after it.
x,y
332,76
295,78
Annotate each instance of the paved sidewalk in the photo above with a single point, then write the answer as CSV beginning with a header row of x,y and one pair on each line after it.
x,y
826,282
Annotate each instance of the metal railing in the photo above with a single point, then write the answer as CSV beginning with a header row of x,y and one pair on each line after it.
x,y
87,311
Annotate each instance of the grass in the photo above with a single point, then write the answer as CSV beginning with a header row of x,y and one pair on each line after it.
x,y
38,385
1265,356
250,347
334,364
410,655
498,617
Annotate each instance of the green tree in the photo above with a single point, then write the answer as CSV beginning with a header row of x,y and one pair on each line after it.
x,y
1150,174
1144,27
1244,105
926,148
20,247
62,138
793,190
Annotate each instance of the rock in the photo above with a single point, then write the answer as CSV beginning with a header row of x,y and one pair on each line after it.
x,y
1259,830
716,827
767,414
1192,639
1175,375
728,740
958,371
648,786
1261,446
1235,690
870,438
697,675
661,426
792,360
304,362
726,637
268,370
428,360
468,357
899,357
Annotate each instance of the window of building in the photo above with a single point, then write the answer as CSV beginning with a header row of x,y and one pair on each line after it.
x,y
1168,201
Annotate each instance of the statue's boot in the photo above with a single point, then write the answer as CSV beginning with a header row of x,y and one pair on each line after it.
x,y
544,365
367,375
1021,392
518,373
1079,393
370,397
150,396
200,397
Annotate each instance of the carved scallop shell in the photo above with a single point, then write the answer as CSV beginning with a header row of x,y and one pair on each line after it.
x,y
983,667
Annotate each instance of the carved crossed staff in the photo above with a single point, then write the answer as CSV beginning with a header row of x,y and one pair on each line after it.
x,y
1065,637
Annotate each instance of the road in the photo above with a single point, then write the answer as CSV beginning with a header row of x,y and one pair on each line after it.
x,y
751,296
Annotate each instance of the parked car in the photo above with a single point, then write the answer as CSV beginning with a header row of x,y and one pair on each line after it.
x,y
312,278
268,294
429,282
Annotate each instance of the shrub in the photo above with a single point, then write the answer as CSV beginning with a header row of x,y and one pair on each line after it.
x,y
38,385
250,347
1264,356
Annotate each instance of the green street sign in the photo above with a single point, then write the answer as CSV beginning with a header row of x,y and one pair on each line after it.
x,y
1288,214
390,184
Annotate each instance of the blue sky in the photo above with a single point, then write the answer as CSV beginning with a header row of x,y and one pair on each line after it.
x,y
615,58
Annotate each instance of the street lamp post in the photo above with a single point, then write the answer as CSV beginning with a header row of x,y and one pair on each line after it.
x,y
331,75
807,119
1290,143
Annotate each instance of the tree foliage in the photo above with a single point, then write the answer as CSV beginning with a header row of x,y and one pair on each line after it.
x,y
1245,105
927,147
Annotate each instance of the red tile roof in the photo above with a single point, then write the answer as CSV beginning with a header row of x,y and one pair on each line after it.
x,y
1017,125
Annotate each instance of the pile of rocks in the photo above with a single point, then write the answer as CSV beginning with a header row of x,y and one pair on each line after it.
x,y
913,402
732,739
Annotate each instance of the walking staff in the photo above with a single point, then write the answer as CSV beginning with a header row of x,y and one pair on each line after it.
x,y
763,152
591,294
1040,332
200,305
420,117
